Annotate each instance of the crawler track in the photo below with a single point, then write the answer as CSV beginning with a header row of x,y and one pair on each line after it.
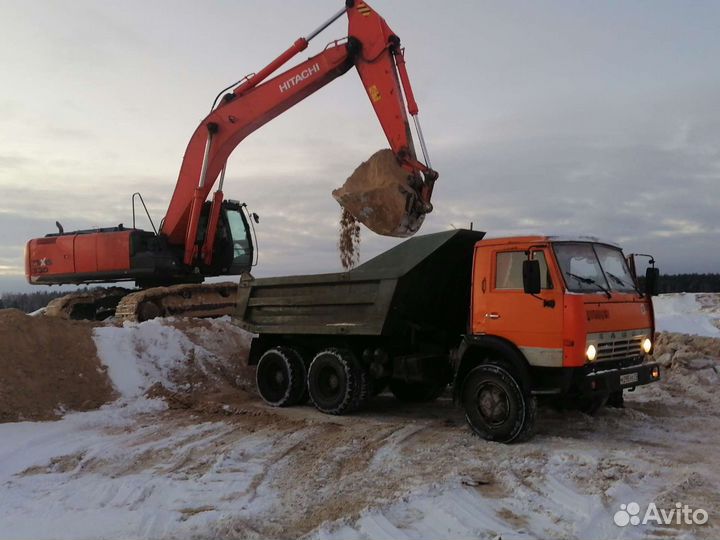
x,y
188,300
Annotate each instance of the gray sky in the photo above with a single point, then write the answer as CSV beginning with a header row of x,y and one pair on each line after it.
x,y
562,117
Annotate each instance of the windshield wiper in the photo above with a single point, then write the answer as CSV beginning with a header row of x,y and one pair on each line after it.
x,y
618,280
622,283
590,281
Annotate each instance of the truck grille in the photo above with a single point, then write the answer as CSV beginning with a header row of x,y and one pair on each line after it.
x,y
619,348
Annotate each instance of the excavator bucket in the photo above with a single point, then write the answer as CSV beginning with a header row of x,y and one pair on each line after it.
x,y
383,196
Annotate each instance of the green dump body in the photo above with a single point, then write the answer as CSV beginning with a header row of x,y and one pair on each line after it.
x,y
422,284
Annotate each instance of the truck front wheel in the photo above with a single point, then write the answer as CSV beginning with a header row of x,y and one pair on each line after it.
x,y
335,381
281,377
496,407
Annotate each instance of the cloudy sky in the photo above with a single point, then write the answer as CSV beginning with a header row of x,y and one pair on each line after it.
x,y
564,117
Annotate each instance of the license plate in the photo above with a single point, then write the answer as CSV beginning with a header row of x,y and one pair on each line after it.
x,y
628,378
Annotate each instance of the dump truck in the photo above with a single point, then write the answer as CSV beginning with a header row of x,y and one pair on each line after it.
x,y
503,321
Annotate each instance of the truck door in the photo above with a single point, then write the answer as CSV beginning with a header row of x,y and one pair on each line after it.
x,y
501,307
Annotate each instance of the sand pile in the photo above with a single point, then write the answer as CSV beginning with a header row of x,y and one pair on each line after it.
x,y
380,196
191,363
690,372
216,378
47,366
219,361
675,350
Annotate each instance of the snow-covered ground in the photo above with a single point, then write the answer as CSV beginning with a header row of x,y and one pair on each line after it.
x,y
221,464
688,313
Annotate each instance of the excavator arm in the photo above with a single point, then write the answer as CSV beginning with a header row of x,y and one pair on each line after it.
x,y
371,47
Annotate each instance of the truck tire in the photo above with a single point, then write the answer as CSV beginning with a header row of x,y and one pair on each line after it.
x,y
496,406
416,392
281,377
365,390
335,381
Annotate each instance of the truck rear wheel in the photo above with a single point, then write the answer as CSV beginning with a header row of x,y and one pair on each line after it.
x,y
335,381
416,392
496,406
281,377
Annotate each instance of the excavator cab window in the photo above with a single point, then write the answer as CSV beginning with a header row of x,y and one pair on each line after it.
x,y
238,231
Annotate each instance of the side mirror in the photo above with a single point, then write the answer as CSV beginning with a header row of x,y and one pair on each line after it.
x,y
531,276
652,277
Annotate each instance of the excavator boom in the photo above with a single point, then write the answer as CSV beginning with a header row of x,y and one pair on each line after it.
x,y
371,47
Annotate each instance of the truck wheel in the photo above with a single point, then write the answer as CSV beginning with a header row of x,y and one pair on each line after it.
x,y
366,389
335,381
281,377
416,392
496,407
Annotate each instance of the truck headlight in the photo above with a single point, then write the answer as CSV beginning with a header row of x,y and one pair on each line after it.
x,y
647,345
591,352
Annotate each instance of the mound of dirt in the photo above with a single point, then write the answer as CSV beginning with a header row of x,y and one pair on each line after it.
x,y
224,363
685,351
379,195
214,377
47,366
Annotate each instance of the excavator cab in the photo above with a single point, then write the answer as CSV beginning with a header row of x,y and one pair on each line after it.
x,y
233,251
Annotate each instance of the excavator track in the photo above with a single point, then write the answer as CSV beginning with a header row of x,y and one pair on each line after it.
x,y
94,304
188,300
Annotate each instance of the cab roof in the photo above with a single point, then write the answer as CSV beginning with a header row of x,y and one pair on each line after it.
x,y
540,238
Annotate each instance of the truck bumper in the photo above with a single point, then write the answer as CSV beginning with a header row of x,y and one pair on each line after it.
x,y
612,380
594,379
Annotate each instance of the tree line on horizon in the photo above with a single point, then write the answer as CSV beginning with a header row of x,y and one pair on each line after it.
x,y
29,302
675,283
669,283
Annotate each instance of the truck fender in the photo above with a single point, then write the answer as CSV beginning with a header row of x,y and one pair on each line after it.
x,y
475,350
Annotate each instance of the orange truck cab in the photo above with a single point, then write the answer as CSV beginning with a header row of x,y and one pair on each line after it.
x,y
584,334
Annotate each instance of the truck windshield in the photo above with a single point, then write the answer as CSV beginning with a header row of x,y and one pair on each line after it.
x,y
616,269
590,267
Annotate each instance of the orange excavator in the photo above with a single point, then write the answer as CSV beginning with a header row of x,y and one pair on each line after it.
x,y
202,235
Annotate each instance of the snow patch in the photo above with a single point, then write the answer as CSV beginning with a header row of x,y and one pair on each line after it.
x,y
684,314
111,474
138,355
